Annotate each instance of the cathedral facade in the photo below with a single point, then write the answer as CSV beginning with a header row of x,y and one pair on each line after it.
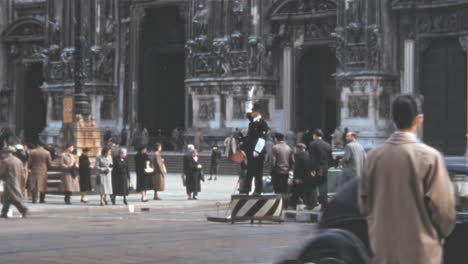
x,y
193,64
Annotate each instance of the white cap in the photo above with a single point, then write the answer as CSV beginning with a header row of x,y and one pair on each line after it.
x,y
19,147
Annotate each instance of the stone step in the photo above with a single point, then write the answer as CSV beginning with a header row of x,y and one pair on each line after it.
x,y
302,216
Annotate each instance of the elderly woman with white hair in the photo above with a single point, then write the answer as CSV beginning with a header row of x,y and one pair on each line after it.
x,y
120,176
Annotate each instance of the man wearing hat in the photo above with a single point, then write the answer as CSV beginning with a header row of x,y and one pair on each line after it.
x,y
255,150
11,170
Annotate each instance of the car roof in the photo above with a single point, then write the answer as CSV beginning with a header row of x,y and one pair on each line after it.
x,y
456,163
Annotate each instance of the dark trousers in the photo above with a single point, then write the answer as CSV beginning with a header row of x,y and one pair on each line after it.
x,y
254,169
214,169
320,194
304,192
280,182
8,202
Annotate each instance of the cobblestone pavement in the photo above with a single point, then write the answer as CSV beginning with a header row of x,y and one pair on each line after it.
x,y
158,236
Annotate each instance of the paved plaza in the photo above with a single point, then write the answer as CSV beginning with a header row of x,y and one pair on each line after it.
x,y
213,194
158,236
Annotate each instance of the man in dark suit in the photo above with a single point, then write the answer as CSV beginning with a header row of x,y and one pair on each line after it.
x,y
302,186
255,150
320,160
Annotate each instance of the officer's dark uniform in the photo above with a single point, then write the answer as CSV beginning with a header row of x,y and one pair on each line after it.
x,y
257,129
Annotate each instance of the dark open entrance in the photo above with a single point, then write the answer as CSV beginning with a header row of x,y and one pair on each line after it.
x,y
444,87
316,95
35,107
162,71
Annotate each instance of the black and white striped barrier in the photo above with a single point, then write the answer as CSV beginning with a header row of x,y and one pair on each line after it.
x,y
253,207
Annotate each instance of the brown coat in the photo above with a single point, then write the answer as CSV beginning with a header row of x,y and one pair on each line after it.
x,y
69,183
39,161
159,171
12,174
407,197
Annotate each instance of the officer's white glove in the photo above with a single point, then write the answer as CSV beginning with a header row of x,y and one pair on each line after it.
x,y
255,154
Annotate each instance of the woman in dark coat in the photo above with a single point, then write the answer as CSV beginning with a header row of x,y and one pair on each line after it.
x,y
194,176
120,176
85,174
144,171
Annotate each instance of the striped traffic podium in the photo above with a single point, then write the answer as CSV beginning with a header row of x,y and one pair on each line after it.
x,y
253,207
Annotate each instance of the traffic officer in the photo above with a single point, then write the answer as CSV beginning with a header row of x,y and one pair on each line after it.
x,y
255,150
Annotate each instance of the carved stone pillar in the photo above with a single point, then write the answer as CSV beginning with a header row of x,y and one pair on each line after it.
x,y
137,15
287,85
408,86
464,43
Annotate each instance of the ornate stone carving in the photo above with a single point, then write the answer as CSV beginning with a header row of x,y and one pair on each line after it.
x,y
207,108
307,6
442,22
358,106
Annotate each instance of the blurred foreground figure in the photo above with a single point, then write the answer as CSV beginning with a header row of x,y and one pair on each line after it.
x,y
406,194
11,172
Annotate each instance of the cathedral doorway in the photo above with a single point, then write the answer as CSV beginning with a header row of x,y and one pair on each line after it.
x,y
35,108
315,95
161,102
444,85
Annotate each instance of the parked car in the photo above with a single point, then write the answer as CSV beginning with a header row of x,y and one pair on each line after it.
x,y
343,236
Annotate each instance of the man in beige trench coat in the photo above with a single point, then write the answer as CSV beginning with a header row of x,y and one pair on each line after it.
x,y
406,194
39,162
12,173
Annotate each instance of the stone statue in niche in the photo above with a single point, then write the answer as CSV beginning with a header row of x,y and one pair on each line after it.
x,y
237,12
339,44
374,41
223,59
236,40
207,110
54,27
13,50
200,21
66,58
257,54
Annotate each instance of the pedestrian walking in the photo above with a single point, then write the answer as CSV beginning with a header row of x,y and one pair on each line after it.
x,y
194,176
11,172
120,177
144,171
159,171
199,140
70,176
302,182
255,150
320,160
215,161
230,146
85,174
406,194
39,161
22,154
282,163
104,166
354,157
